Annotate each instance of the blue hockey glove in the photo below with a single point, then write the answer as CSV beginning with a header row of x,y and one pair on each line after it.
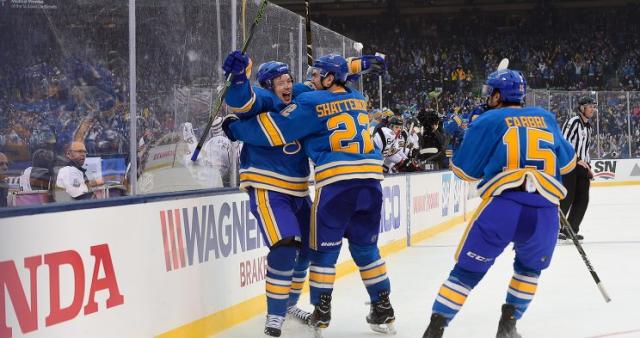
x,y
373,64
239,64
226,124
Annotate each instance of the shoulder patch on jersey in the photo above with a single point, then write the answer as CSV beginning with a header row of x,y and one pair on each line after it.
x,y
288,109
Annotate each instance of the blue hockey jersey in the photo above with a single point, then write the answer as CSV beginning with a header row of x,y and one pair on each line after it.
x,y
284,168
332,127
505,146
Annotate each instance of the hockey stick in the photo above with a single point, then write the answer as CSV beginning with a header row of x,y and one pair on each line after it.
x,y
214,113
307,19
567,228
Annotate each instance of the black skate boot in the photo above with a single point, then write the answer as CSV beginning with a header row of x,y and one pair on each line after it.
x,y
273,326
436,326
507,324
321,315
381,315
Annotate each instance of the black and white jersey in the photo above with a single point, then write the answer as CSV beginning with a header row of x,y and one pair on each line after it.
x,y
578,134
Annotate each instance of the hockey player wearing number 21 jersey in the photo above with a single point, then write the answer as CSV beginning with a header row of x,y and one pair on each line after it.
x,y
332,127
519,155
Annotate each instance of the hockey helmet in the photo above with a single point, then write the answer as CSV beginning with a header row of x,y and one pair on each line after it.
x,y
332,64
269,71
510,83
395,121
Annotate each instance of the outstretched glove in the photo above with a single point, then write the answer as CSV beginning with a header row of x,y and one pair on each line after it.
x,y
239,64
226,126
373,64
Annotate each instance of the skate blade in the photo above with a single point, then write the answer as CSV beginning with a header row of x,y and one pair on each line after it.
x,y
388,329
297,319
317,332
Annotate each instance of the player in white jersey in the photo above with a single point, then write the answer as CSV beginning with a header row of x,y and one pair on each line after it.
x,y
390,143
212,167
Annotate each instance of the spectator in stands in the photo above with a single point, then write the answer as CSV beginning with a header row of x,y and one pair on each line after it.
x,y
38,176
4,190
72,178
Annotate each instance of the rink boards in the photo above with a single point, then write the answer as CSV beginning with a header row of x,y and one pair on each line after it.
x,y
187,267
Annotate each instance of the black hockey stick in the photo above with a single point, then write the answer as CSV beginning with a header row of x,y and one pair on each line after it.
x,y
567,228
227,84
307,19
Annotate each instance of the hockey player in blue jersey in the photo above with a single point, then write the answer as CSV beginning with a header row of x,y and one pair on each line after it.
x,y
279,173
519,154
332,126
276,179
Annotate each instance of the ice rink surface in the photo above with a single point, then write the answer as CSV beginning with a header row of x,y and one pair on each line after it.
x,y
568,303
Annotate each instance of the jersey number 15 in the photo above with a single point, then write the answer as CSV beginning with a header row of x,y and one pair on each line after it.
x,y
534,152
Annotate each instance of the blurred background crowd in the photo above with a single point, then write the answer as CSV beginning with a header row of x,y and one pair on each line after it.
x,y
75,85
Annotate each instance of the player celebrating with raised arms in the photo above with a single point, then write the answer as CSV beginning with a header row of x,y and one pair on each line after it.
x,y
519,154
332,126
276,179
281,174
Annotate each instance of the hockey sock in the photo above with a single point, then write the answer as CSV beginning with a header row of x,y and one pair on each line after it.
x,y
522,288
373,269
322,273
299,275
454,291
280,262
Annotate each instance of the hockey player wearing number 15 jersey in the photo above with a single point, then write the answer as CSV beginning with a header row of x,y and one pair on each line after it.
x,y
332,127
519,154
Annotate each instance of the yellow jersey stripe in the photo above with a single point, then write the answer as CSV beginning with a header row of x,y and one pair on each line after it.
x,y
273,181
266,217
569,167
247,105
347,170
313,226
479,210
460,173
355,65
270,130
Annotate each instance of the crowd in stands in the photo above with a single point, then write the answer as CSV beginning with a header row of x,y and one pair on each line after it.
x,y
78,90
565,49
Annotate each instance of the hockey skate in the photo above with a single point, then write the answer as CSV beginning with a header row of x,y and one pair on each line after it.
x,y
507,324
321,315
381,315
294,311
273,326
436,326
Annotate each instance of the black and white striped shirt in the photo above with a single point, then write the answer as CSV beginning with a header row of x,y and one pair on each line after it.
x,y
578,134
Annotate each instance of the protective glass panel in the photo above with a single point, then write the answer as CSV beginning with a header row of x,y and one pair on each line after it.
x,y
634,111
276,38
178,53
539,98
561,106
63,82
614,127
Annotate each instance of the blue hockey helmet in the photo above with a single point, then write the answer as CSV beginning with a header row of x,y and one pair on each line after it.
x,y
269,71
332,64
510,83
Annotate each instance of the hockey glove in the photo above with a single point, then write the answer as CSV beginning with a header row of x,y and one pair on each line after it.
x,y
373,64
226,124
239,64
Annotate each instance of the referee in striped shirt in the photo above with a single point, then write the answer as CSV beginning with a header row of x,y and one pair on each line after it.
x,y
577,130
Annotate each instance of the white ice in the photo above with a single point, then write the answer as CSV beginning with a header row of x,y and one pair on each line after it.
x,y
568,303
